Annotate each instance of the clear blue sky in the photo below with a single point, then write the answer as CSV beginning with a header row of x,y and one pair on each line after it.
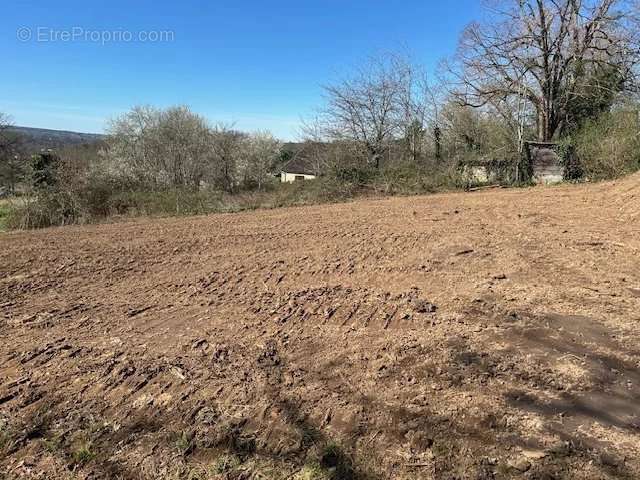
x,y
259,64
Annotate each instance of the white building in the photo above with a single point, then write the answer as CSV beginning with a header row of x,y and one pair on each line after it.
x,y
289,177
296,170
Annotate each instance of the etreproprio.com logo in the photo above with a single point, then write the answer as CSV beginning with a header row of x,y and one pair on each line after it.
x,y
44,34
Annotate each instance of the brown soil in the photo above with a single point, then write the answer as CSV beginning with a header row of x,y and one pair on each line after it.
x,y
480,335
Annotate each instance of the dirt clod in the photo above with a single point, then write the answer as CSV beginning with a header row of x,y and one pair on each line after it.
x,y
423,306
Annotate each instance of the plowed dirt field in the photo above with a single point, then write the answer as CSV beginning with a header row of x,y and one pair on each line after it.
x,y
491,334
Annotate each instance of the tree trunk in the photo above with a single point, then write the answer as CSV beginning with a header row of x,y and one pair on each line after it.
x,y
543,124
438,144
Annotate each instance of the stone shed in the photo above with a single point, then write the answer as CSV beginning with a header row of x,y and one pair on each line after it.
x,y
545,163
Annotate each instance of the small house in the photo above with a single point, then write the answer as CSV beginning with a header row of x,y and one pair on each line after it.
x,y
297,169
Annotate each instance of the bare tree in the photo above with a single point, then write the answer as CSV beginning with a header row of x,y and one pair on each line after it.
x,y
12,158
183,144
317,145
5,120
175,147
6,138
549,53
420,103
226,156
259,154
132,144
164,147
390,99
368,108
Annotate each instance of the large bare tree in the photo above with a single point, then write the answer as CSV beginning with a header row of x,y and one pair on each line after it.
x,y
368,108
387,99
550,53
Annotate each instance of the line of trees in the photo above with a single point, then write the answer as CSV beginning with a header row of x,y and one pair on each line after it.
x,y
177,148
534,70
151,149
391,113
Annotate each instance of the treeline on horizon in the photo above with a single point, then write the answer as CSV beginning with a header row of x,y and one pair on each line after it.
x,y
536,70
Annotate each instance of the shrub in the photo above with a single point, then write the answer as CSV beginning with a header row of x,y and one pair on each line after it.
x,y
412,179
88,196
609,146
100,197
46,209
45,169
164,202
5,211
356,175
83,454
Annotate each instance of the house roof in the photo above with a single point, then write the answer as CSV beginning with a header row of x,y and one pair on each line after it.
x,y
298,165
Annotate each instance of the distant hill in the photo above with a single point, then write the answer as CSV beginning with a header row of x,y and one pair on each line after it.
x,y
38,139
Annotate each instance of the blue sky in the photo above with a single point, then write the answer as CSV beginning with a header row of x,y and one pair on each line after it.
x,y
259,64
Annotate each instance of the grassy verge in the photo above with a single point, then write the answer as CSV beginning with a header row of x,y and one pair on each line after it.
x,y
102,201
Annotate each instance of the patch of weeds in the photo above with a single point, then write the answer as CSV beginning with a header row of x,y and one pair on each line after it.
x,y
562,449
440,449
313,471
310,435
504,469
5,211
234,439
184,443
52,444
225,464
197,473
5,439
244,445
10,438
83,454
332,464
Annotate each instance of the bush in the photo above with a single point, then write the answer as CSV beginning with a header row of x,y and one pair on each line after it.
x,y
89,195
100,197
47,209
412,179
5,210
164,202
609,147
356,175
